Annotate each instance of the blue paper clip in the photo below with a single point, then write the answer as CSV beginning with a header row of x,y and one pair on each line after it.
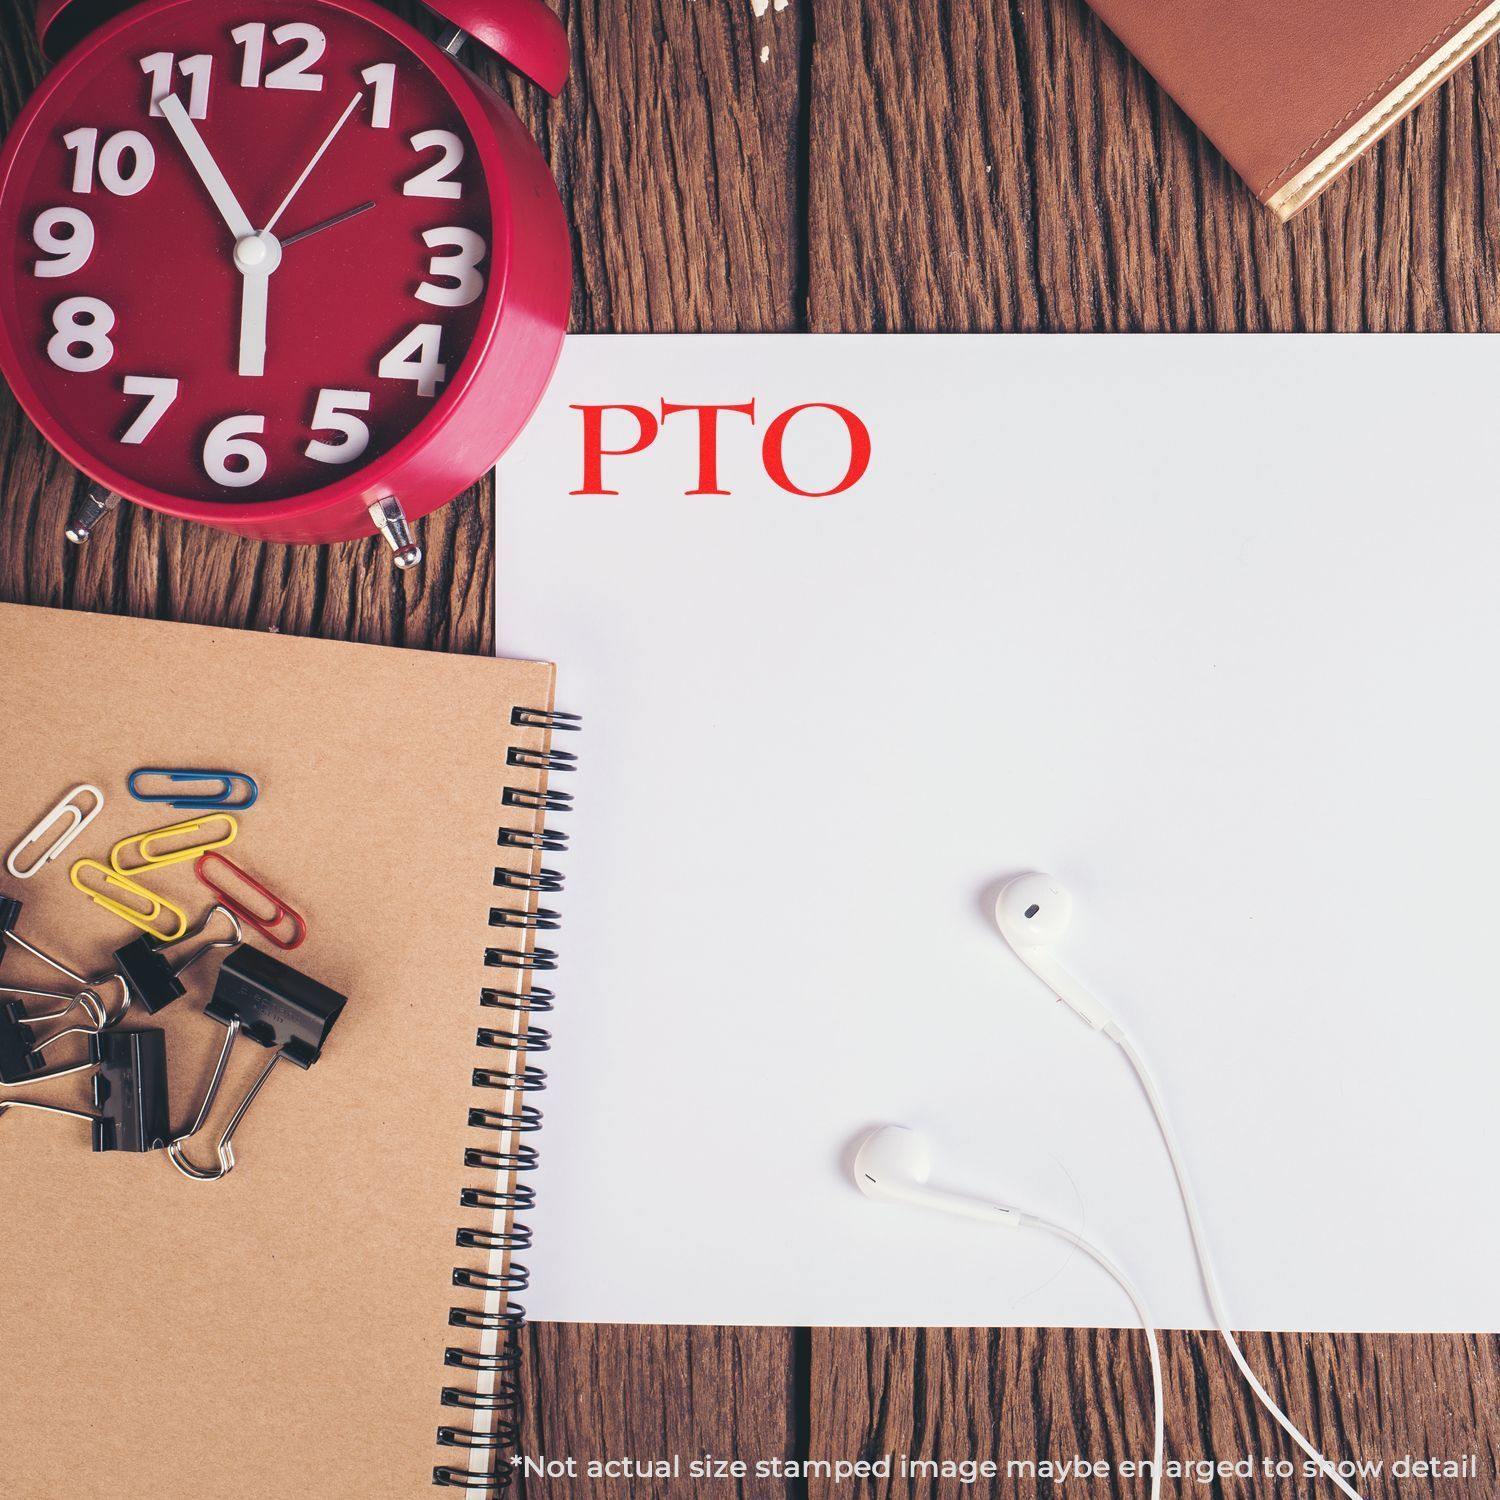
x,y
222,800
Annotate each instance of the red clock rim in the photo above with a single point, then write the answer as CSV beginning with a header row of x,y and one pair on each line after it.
x,y
368,483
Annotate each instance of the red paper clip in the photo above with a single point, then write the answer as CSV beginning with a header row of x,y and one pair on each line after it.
x,y
267,926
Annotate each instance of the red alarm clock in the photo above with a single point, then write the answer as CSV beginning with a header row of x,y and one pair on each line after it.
x,y
281,266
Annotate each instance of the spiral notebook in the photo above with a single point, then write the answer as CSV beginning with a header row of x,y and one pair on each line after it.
x,y
337,1315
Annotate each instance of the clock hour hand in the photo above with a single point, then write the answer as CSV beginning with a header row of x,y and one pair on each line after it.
x,y
256,259
175,113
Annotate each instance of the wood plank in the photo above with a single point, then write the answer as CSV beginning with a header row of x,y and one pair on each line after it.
x,y
676,148
960,1394
606,1391
981,166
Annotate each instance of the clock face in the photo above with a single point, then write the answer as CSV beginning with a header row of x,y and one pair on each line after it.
x,y
247,246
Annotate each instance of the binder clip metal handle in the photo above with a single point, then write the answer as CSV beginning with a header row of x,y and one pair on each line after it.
x,y
224,1150
270,1002
10,912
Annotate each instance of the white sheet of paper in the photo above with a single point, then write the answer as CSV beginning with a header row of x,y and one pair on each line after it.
x,y
1207,627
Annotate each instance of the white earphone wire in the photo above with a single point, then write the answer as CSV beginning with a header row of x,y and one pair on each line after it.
x,y
1158,1422
1205,1267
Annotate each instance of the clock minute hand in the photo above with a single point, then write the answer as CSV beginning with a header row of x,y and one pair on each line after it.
x,y
322,151
203,163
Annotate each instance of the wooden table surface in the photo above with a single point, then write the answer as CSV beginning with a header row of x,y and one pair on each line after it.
x,y
929,165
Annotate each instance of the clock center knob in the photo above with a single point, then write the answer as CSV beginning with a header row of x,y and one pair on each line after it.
x,y
257,252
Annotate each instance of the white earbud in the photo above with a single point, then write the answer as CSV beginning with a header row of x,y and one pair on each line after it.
x,y
1032,912
894,1163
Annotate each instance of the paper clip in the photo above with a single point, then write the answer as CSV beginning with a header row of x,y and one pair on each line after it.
x,y
154,905
149,976
78,820
130,1091
275,1006
145,844
268,926
222,800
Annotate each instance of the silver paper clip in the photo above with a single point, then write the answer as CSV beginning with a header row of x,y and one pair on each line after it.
x,y
77,820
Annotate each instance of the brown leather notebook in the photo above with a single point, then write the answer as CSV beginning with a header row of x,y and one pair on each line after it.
x,y
295,1328
1293,91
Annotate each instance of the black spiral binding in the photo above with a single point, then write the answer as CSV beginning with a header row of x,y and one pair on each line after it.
x,y
509,1070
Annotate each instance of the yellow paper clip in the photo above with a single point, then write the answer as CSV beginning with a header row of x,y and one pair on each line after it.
x,y
154,905
144,844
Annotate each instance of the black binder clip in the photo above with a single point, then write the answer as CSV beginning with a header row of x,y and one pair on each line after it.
x,y
151,977
130,1091
20,1051
275,1006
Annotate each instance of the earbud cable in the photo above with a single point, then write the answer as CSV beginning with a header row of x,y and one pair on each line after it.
x,y
1032,1221
1205,1268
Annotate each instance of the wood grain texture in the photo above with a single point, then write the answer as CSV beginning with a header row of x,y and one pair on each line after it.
x,y
976,164
938,164
609,1392
956,1394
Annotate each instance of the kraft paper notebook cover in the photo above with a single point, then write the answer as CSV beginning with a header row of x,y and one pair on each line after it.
x,y
285,1331
1293,91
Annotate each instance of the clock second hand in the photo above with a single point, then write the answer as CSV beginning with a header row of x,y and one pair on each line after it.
x,y
333,223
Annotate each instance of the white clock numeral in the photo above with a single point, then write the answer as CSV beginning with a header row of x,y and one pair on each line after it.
x,y
418,357
296,72
436,181
198,70
71,249
82,323
382,78
160,393
231,440
335,414
252,40
118,178
461,267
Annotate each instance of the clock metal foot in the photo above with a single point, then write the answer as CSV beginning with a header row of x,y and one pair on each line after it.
x,y
453,40
396,529
87,512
